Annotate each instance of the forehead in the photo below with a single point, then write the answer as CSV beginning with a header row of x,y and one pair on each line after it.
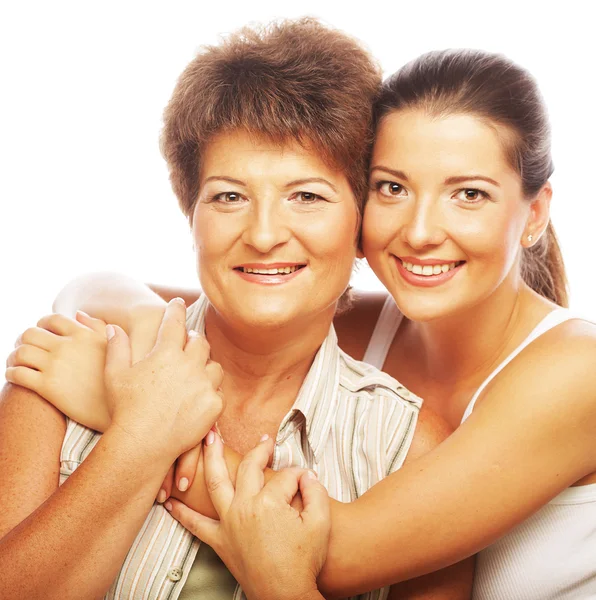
x,y
416,142
250,154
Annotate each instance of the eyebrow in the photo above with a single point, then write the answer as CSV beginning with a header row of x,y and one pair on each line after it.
x,y
448,181
464,178
288,185
395,173
311,180
224,178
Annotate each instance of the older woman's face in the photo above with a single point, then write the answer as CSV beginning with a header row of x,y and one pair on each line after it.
x,y
274,229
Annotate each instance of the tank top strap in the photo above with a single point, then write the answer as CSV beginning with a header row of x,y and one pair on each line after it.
x,y
385,328
552,319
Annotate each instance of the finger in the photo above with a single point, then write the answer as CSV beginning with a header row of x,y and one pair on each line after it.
x,y
205,528
58,324
25,377
315,500
250,477
172,331
166,486
36,336
97,325
28,356
197,347
118,349
284,485
186,467
217,477
215,373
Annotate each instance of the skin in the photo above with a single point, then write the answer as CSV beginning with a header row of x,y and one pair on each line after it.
x,y
38,533
260,204
463,499
452,339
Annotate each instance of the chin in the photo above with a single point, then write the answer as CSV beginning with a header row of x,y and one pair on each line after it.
x,y
424,309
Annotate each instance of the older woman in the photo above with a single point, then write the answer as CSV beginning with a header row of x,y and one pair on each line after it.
x,y
267,139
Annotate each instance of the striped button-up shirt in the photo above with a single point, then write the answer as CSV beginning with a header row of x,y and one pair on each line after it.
x,y
351,423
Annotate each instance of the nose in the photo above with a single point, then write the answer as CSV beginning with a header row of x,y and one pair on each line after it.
x,y
266,227
424,225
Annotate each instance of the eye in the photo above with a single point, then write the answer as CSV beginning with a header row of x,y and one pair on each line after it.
x,y
228,198
391,189
307,197
471,195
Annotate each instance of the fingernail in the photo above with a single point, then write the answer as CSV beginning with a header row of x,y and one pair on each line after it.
x,y
183,484
82,312
179,301
311,474
210,438
110,331
161,497
193,334
264,438
168,506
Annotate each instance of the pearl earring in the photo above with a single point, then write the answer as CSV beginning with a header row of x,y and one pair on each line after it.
x,y
530,238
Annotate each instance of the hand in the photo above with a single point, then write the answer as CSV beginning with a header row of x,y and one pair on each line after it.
x,y
273,550
62,360
169,400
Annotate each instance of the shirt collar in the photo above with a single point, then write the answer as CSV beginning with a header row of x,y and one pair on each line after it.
x,y
318,395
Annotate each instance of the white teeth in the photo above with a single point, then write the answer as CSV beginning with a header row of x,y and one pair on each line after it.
x,y
429,270
282,270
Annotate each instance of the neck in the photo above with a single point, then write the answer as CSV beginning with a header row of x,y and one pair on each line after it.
x,y
462,347
264,365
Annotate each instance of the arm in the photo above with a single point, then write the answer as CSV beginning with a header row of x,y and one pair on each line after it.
x,y
81,530
84,528
473,488
453,582
531,421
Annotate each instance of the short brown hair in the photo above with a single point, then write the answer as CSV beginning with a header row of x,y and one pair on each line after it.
x,y
290,80
493,87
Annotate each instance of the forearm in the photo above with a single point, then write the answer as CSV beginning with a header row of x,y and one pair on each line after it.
x,y
73,545
107,296
197,496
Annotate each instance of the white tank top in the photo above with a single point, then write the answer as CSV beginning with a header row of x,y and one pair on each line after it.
x,y
551,555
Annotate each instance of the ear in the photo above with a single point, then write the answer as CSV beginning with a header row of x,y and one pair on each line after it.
x,y
538,217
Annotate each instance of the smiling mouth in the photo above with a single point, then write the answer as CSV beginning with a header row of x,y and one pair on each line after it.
x,y
430,270
273,271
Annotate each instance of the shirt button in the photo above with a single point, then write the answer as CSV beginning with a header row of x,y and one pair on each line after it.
x,y
175,574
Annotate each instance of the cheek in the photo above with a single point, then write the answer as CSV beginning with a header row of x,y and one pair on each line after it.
x,y
379,227
332,235
212,234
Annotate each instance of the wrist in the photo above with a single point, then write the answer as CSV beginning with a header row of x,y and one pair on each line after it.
x,y
300,591
145,450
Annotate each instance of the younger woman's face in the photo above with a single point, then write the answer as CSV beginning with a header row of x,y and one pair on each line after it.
x,y
445,213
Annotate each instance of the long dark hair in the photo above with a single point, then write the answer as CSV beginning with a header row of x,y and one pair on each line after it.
x,y
492,87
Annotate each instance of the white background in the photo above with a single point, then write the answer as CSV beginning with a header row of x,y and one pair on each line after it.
x,y
83,85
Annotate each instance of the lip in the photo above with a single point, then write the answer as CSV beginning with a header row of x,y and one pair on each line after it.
x,y
277,265
269,280
426,261
426,281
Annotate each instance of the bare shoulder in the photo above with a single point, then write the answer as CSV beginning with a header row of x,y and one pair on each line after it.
x,y
355,326
431,430
561,363
32,435
547,397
